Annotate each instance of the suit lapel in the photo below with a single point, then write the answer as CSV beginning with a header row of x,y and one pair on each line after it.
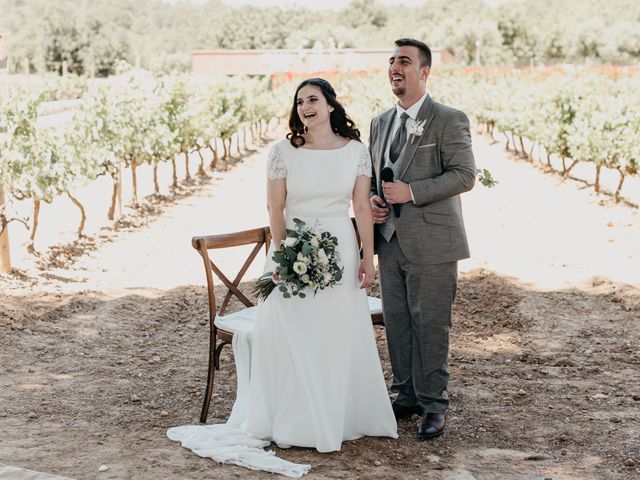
x,y
425,112
385,126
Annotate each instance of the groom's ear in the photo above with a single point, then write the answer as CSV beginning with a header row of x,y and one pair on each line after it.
x,y
424,72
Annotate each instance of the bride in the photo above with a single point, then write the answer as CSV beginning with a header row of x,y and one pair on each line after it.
x,y
315,378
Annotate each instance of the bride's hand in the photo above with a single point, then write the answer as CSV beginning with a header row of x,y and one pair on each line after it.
x,y
366,273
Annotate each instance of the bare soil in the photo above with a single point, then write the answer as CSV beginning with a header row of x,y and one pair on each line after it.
x,y
545,381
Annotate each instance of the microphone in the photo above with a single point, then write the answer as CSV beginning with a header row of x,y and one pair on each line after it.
x,y
386,174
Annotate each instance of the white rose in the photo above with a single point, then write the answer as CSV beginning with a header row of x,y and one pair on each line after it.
x,y
300,268
290,241
304,278
327,277
322,257
315,243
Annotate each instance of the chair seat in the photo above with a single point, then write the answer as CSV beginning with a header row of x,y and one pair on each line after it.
x,y
375,305
244,320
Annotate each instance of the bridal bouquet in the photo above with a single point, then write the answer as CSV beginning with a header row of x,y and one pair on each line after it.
x,y
306,259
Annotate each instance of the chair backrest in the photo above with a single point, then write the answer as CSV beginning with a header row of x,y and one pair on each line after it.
x,y
258,237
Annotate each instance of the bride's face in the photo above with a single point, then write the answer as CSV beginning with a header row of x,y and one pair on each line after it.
x,y
313,108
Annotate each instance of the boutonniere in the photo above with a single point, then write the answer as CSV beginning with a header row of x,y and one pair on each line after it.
x,y
415,129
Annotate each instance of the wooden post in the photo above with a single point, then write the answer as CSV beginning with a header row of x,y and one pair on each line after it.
x,y
5,256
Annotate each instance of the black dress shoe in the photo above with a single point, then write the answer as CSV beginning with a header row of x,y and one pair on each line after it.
x,y
431,425
400,411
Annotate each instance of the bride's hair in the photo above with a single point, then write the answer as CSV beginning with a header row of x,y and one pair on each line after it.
x,y
340,121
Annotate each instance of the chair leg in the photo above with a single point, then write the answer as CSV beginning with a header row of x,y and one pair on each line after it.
x,y
210,378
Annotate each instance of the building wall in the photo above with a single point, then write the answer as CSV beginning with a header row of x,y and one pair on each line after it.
x,y
265,62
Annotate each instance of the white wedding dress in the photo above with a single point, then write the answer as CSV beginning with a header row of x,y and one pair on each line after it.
x,y
309,374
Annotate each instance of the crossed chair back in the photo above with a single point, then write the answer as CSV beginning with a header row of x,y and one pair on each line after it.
x,y
219,337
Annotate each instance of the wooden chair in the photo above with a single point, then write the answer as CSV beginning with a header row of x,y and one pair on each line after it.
x,y
221,326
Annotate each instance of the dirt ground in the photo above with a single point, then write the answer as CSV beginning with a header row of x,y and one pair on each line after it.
x,y
545,380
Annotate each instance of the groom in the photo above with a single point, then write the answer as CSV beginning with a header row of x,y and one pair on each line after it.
x,y
422,150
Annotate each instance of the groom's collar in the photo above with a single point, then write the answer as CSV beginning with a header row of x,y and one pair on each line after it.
x,y
413,110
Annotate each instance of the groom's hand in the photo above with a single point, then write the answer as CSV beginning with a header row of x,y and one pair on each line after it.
x,y
397,192
379,209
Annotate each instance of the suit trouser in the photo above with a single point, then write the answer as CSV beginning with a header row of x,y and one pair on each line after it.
x,y
416,304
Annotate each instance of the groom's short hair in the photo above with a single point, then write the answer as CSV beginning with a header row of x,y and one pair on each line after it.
x,y
425,51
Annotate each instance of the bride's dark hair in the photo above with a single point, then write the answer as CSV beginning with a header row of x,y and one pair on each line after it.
x,y
340,121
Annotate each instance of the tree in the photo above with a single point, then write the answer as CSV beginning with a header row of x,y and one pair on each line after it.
x,y
362,13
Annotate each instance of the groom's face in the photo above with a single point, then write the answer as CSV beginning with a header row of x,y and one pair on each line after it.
x,y
406,75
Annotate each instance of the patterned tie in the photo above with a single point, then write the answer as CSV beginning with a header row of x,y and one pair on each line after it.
x,y
399,139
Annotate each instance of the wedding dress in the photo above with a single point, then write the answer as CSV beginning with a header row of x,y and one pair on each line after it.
x,y
309,374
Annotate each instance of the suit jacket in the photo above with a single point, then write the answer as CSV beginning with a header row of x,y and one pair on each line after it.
x,y
439,166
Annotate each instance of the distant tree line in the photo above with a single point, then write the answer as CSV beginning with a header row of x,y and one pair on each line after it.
x,y
91,38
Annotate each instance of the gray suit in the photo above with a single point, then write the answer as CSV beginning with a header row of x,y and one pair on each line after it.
x,y
418,266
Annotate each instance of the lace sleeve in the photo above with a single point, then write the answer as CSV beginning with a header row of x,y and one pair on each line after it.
x,y
276,168
364,162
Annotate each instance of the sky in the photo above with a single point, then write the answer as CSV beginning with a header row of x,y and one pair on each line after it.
x,y
324,4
